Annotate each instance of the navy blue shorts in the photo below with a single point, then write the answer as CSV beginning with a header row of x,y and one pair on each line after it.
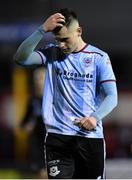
x,y
74,157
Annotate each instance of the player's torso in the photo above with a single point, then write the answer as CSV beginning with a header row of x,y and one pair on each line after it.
x,y
77,70
74,83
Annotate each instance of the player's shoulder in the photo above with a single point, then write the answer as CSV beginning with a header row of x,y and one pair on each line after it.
x,y
97,51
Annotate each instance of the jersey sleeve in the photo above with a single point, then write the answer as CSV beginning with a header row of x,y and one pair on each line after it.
x,y
105,70
110,101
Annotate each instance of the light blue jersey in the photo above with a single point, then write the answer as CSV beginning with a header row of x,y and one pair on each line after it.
x,y
72,88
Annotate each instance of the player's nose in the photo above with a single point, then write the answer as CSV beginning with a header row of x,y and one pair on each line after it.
x,y
62,45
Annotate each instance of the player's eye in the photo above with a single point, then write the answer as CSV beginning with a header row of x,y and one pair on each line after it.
x,y
62,40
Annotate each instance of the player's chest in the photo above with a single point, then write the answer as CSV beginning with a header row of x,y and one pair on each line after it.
x,y
76,63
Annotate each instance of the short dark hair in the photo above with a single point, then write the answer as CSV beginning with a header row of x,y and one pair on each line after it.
x,y
69,15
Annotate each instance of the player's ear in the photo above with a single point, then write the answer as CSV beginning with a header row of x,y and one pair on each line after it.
x,y
79,31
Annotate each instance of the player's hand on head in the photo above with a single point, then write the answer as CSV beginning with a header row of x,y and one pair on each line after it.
x,y
55,20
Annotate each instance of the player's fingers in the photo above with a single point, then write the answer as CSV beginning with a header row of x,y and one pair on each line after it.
x,y
59,15
60,20
86,125
83,123
83,120
59,25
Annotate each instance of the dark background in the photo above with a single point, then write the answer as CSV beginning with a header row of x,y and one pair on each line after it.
x,y
106,24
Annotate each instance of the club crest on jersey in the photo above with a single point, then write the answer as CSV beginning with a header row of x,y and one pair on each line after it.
x,y
87,61
54,171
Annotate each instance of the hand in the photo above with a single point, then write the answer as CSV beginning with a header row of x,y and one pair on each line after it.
x,y
55,20
88,123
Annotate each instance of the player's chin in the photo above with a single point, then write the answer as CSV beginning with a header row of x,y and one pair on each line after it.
x,y
66,51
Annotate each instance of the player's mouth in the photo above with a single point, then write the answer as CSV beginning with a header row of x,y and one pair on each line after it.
x,y
66,51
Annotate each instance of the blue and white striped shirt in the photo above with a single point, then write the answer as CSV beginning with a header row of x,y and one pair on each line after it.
x,y
72,88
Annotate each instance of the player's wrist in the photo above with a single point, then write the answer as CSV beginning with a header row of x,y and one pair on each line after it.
x,y
95,116
41,30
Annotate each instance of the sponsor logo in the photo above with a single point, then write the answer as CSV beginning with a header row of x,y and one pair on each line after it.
x,y
54,171
74,75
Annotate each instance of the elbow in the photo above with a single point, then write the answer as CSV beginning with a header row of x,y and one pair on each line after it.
x,y
115,102
17,59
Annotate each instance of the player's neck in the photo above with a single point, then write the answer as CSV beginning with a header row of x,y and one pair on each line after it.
x,y
81,45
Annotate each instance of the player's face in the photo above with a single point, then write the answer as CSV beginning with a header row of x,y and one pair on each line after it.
x,y
68,39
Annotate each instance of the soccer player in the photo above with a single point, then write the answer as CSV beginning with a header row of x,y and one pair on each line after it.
x,y
79,91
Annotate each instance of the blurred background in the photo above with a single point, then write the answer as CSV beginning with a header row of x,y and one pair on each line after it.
x,y
107,25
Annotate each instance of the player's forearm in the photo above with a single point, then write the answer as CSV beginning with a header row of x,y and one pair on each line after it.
x,y
109,102
106,107
28,45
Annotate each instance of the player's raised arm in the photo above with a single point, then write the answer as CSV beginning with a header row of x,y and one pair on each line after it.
x,y
25,54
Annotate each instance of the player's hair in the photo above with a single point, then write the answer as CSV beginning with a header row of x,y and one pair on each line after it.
x,y
69,15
